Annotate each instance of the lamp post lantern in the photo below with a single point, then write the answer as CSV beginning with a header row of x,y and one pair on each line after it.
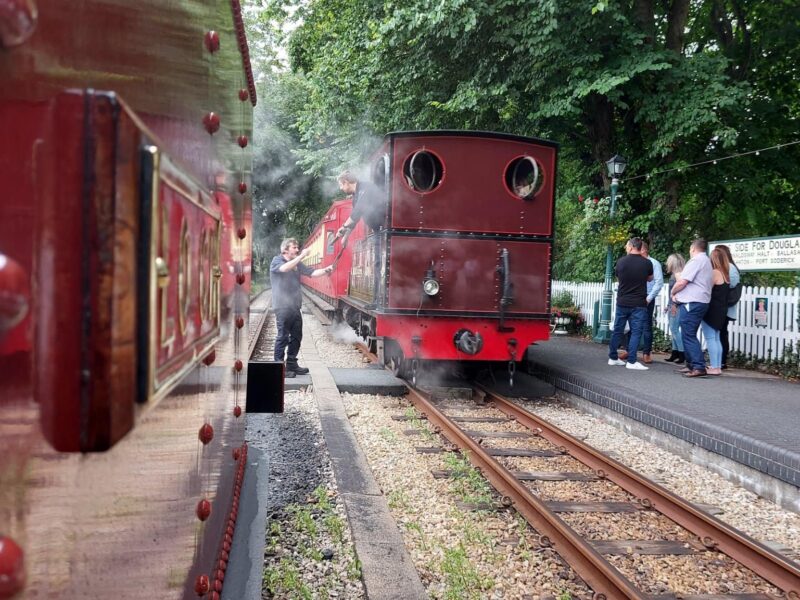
x,y
616,166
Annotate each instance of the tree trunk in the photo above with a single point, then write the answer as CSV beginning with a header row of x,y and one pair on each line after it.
x,y
676,25
644,16
600,128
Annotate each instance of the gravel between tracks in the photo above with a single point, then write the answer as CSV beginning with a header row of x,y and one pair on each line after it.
x,y
493,554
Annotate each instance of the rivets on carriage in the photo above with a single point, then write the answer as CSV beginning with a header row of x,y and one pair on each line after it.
x,y
211,122
211,41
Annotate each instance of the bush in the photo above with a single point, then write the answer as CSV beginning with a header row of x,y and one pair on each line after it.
x,y
788,366
563,305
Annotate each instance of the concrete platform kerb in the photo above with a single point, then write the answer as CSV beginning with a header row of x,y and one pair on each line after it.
x,y
387,569
751,421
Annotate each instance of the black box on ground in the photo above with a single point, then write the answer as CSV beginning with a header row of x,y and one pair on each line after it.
x,y
265,387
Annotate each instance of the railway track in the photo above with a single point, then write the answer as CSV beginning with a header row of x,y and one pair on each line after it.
x,y
622,493
603,487
259,314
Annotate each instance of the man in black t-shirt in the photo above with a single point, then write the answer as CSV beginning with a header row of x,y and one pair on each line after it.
x,y
284,275
633,272
369,203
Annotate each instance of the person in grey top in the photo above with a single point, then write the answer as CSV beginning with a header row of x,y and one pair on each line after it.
x,y
692,293
653,290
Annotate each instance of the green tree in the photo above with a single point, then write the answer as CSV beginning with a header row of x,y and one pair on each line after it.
x,y
667,84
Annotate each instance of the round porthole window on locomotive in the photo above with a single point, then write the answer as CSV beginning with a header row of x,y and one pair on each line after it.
x,y
524,177
423,171
380,172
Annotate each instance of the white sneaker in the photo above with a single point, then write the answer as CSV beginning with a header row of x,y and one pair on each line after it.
x,y
615,362
637,366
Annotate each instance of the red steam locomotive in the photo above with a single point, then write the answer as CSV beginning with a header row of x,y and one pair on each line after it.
x,y
124,284
460,270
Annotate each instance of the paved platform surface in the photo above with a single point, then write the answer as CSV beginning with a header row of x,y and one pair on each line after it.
x,y
744,416
372,380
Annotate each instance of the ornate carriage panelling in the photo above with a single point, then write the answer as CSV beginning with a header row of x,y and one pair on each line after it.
x,y
132,246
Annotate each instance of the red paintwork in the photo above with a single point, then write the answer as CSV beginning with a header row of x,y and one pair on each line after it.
x,y
201,585
206,434
437,336
70,220
461,229
203,509
15,301
335,285
17,22
211,122
12,567
472,195
212,41
466,270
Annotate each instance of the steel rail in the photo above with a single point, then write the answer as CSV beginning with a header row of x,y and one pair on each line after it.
x,y
364,349
713,533
251,345
606,581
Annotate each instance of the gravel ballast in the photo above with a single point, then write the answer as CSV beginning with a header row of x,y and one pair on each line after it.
x,y
463,553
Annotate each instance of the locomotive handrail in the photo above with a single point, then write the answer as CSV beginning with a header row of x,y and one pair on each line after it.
x,y
345,237
508,289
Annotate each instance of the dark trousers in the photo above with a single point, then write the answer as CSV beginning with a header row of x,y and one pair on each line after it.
x,y
289,322
723,338
635,315
690,322
647,334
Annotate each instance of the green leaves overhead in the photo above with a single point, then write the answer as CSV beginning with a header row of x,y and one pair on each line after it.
x,y
663,83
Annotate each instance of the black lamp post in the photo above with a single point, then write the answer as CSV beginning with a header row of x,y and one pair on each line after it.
x,y
616,166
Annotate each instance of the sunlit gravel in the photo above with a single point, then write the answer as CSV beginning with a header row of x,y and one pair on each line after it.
x,y
464,553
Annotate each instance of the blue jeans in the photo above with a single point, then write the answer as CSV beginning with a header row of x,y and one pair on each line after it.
x,y
714,345
636,316
648,328
690,322
675,332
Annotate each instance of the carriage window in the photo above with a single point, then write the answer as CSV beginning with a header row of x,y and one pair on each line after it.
x,y
423,171
524,177
380,172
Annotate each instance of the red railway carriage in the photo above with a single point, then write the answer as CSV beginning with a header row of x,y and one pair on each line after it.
x,y
124,279
461,269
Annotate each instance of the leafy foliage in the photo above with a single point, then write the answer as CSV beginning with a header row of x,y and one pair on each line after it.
x,y
665,84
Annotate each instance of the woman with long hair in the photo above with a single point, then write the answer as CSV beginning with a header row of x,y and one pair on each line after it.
x,y
733,309
675,264
717,313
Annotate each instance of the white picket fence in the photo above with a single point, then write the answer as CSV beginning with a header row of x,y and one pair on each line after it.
x,y
745,335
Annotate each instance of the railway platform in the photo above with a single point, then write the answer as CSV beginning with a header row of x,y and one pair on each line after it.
x,y
743,424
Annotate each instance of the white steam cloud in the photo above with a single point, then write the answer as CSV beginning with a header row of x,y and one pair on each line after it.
x,y
342,333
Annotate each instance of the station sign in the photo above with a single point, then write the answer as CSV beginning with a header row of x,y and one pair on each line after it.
x,y
780,253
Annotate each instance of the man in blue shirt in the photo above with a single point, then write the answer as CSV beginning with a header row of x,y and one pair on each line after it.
x,y
653,289
287,297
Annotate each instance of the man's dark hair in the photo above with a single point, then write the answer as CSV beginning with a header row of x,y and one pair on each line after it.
x,y
635,243
700,245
